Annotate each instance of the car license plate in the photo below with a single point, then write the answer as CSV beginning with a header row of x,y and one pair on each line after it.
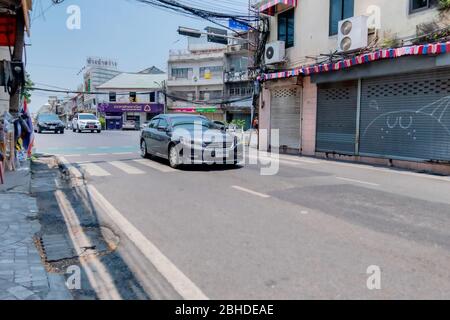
x,y
91,127
52,127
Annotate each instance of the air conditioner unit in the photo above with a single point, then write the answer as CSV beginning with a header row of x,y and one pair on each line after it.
x,y
275,52
353,33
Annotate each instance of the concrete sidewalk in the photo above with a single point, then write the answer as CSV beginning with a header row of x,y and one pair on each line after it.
x,y
22,273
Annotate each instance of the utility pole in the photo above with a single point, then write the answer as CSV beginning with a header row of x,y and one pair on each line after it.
x,y
17,57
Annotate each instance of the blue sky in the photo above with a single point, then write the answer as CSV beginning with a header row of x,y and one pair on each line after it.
x,y
136,35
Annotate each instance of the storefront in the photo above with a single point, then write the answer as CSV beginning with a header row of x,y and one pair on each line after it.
x,y
336,117
406,116
212,113
116,113
280,115
391,106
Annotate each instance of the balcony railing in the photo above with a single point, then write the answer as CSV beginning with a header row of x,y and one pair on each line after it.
x,y
236,76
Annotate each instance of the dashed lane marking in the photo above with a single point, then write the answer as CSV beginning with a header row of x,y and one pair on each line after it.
x,y
358,181
258,194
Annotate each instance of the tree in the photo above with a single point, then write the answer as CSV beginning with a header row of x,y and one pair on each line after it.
x,y
26,92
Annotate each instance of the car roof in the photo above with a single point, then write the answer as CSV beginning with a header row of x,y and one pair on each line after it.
x,y
47,114
181,115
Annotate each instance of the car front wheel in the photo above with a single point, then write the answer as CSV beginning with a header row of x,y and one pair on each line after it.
x,y
174,157
144,153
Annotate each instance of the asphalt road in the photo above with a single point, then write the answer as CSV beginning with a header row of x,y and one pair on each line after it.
x,y
309,232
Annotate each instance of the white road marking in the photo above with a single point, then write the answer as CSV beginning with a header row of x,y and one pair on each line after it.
x,y
72,155
179,281
262,195
265,160
122,153
126,167
358,181
155,165
97,154
298,159
98,275
94,170
73,171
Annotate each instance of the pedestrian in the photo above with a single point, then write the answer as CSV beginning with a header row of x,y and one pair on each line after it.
x,y
256,124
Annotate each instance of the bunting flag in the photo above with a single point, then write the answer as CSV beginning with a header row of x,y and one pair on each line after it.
x,y
428,49
269,6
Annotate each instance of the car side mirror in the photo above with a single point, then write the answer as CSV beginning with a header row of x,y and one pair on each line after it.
x,y
162,128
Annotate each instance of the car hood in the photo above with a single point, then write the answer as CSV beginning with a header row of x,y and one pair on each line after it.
x,y
207,136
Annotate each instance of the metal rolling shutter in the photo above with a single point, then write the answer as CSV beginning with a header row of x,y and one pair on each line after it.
x,y
336,117
285,116
407,116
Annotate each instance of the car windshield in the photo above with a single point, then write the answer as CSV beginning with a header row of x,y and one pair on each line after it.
x,y
87,117
189,122
48,117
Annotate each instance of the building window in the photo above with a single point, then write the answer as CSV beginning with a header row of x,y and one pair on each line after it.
x,y
211,72
181,73
133,97
239,90
152,97
340,10
286,27
419,5
211,95
238,64
112,97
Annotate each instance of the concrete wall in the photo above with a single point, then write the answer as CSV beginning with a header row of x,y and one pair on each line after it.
x,y
264,119
312,25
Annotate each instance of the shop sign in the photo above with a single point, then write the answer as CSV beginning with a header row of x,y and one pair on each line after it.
x,y
199,110
131,107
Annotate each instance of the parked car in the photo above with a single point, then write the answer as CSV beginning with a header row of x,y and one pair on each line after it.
x,y
49,122
189,139
129,125
145,124
220,125
86,122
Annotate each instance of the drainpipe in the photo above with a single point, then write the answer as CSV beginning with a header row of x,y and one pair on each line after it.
x,y
358,118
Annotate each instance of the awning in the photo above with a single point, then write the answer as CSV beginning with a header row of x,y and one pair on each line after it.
x,y
271,7
381,54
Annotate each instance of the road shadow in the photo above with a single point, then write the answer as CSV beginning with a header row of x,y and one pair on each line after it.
x,y
199,167
100,262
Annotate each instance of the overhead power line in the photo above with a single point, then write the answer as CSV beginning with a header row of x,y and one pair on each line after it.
x,y
173,97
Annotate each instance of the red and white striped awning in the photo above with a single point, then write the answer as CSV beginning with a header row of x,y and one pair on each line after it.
x,y
270,6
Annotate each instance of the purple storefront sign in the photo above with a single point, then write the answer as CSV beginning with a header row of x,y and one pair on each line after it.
x,y
131,107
